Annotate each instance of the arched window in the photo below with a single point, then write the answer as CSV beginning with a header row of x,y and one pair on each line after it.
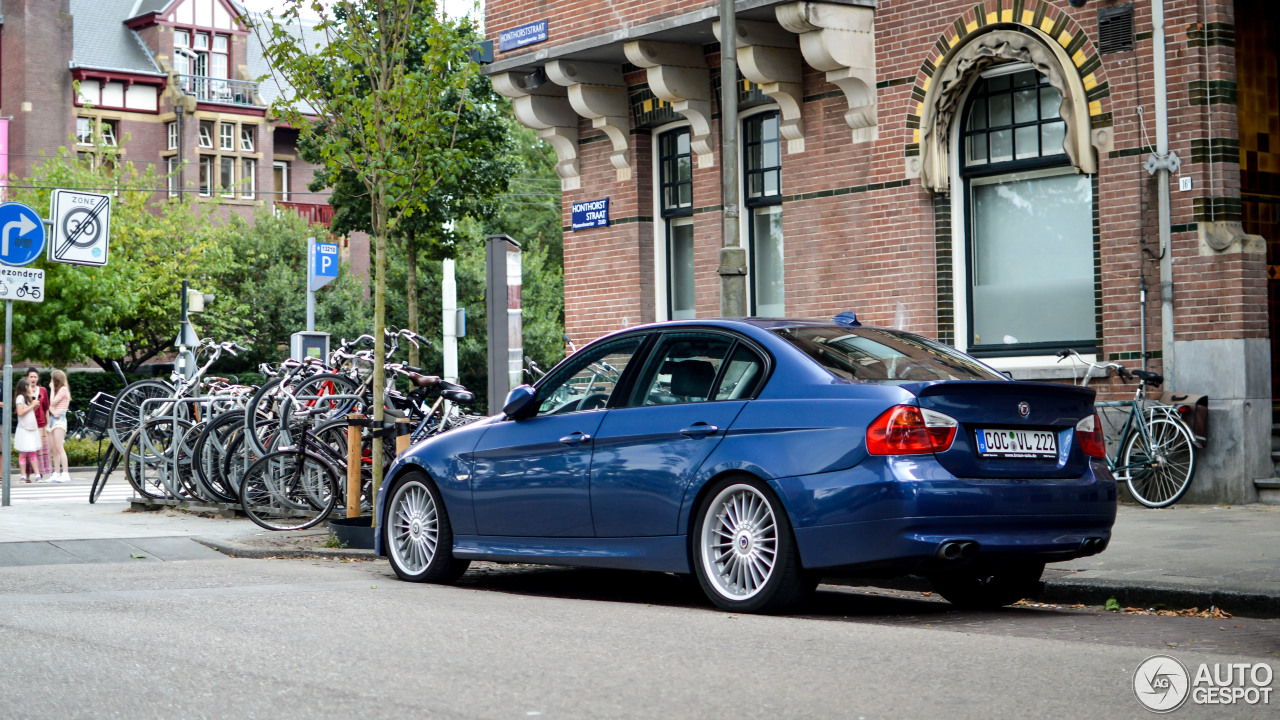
x,y
1029,250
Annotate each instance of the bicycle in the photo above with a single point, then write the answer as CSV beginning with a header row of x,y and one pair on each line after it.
x,y
1156,455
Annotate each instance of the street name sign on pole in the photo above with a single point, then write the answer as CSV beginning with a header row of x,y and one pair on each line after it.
x,y
21,241
81,227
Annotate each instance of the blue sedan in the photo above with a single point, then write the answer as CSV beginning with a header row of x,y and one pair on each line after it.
x,y
760,455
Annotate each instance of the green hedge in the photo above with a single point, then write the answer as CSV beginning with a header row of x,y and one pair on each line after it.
x,y
80,453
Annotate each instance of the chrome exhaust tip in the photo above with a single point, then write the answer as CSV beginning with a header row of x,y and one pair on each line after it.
x,y
968,550
949,550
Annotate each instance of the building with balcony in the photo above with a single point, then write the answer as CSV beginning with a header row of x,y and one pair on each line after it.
x,y
169,83
984,172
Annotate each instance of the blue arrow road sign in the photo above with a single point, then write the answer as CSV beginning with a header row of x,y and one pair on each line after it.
x,y
324,264
21,234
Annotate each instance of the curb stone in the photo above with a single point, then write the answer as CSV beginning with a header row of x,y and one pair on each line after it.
x,y
240,550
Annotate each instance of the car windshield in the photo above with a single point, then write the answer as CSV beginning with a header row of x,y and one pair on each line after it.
x,y
884,356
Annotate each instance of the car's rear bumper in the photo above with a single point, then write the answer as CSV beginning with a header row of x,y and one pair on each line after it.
x,y
893,513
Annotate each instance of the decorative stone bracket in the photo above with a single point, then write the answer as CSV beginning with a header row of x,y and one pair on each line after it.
x,y
545,108
598,92
770,57
679,75
840,40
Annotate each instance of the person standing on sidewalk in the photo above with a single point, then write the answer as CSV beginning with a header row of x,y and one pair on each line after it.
x,y
26,440
59,401
42,419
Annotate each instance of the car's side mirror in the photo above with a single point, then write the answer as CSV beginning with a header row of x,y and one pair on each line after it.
x,y
519,402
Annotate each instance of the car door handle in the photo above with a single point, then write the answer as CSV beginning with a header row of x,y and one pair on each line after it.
x,y
698,430
576,438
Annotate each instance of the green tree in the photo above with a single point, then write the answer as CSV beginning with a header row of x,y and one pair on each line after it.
x,y
375,99
261,288
488,160
127,310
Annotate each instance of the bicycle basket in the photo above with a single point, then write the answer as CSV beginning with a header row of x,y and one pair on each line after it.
x,y
99,415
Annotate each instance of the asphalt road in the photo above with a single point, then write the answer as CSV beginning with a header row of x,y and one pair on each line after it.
x,y
235,638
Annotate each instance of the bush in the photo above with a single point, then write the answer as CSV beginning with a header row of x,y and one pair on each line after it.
x,y
80,452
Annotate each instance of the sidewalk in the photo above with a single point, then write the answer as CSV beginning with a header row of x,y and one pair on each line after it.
x,y
1184,556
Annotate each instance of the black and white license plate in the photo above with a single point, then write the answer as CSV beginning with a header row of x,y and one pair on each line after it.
x,y
1017,443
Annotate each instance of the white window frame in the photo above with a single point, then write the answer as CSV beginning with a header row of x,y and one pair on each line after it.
x,y
107,128
84,138
227,186
284,177
172,130
206,134
248,178
182,38
227,136
744,218
174,178
1044,366
247,133
209,161
659,223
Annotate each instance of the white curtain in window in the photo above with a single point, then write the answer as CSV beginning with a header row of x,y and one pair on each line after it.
x,y
680,263
767,261
1032,255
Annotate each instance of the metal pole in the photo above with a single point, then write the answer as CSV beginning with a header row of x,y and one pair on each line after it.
x,y
311,292
449,303
733,257
1162,195
5,450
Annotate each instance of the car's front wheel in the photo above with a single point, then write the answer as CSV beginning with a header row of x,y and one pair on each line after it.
x,y
987,588
417,534
744,554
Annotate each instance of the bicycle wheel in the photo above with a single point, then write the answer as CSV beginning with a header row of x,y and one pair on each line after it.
x,y
210,449
126,411
289,490
106,466
1159,467
144,471
166,438
264,405
333,436
316,410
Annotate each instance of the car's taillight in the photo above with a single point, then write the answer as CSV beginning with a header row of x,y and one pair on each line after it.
x,y
909,430
1092,442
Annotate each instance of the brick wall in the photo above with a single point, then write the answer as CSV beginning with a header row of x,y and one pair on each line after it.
x,y
874,242
36,45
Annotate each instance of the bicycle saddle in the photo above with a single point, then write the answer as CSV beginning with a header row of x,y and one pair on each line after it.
x,y
462,397
1150,378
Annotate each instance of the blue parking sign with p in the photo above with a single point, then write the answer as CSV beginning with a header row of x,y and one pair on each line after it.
x,y
21,234
324,264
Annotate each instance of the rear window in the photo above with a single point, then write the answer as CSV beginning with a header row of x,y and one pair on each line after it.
x,y
886,356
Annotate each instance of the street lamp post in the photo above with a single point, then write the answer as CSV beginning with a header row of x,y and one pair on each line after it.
x,y
733,257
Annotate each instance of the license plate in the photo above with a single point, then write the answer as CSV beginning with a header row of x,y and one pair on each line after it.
x,y
1018,443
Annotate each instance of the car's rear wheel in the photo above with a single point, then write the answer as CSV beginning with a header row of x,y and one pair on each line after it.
x,y
744,554
987,588
417,534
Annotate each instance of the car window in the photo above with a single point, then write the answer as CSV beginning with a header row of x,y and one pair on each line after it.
x,y
885,356
588,380
685,369
741,376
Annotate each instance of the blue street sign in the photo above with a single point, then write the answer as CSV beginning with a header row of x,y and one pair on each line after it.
x,y
21,234
590,214
324,264
530,34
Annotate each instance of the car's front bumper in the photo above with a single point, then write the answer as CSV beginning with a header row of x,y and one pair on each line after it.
x,y
895,513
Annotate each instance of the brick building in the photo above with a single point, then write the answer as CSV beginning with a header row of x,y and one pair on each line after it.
x,y
170,83
971,171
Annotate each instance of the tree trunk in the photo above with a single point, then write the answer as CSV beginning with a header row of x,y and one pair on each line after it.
x,y
411,289
378,202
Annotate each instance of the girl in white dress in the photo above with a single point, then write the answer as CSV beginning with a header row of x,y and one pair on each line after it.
x,y
27,438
